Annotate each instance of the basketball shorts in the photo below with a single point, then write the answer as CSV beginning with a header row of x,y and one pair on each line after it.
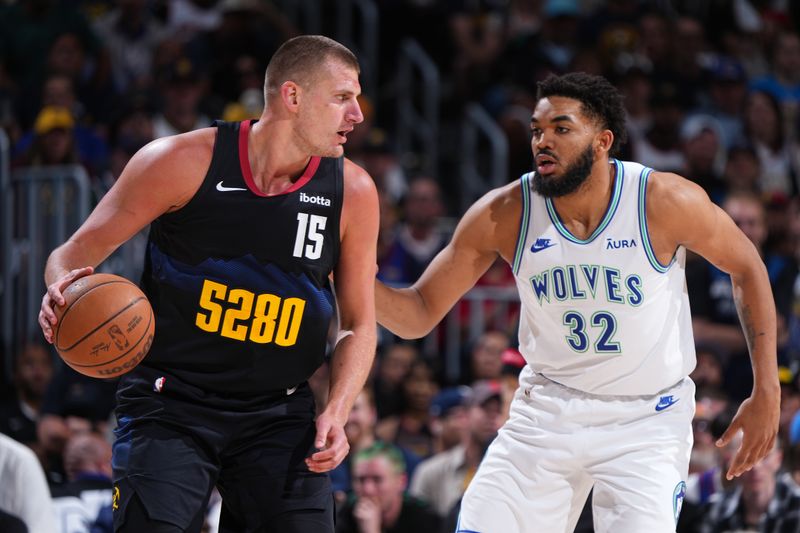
x,y
175,442
559,443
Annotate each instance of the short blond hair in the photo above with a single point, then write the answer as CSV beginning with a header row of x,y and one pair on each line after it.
x,y
299,59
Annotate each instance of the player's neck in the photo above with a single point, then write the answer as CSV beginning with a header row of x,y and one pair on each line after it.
x,y
276,162
583,210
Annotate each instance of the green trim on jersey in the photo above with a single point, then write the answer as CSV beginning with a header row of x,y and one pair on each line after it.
x,y
612,208
523,222
643,231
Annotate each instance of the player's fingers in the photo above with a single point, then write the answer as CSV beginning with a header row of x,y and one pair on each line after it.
x,y
47,330
728,435
325,455
743,462
323,428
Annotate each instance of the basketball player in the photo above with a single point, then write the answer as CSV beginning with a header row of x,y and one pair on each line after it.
x,y
248,221
597,246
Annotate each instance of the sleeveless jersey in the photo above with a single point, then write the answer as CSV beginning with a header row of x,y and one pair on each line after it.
x,y
238,279
602,315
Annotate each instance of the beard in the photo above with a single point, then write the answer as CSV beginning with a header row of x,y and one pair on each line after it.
x,y
574,176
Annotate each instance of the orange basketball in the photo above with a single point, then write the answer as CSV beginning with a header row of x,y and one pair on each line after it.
x,y
106,326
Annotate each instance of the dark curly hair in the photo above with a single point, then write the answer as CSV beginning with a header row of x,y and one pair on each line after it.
x,y
600,100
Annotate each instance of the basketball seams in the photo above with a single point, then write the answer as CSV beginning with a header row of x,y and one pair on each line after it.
x,y
78,299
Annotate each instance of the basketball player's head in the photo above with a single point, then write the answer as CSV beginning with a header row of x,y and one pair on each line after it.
x,y
579,119
314,81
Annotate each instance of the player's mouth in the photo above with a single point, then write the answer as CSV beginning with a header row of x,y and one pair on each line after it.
x,y
545,164
343,135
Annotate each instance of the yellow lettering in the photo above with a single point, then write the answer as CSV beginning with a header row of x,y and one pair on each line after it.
x,y
273,319
210,321
289,325
244,299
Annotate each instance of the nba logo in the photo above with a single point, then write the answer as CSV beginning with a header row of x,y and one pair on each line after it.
x,y
677,499
159,384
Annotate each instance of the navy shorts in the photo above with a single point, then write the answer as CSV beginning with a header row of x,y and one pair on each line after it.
x,y
175,442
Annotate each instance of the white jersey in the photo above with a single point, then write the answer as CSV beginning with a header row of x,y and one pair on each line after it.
x,y
602,315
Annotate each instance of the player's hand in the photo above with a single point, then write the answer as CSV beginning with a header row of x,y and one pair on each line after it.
x,y
368,515
332,443
757,417
53,296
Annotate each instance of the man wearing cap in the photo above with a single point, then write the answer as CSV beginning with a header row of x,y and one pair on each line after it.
x,y
442,479
449,420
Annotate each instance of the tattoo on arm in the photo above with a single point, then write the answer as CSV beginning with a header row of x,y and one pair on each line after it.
x,y
746,318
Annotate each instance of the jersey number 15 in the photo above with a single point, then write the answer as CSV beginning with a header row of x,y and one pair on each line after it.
x,y
309,240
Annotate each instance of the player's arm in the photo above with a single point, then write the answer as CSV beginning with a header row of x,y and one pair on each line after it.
x,y
683,213
413,311
354,352
160,177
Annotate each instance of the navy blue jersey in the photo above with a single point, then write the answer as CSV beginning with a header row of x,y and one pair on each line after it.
x,y
238,279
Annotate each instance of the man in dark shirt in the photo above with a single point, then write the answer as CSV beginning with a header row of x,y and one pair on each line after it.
x,y
379,504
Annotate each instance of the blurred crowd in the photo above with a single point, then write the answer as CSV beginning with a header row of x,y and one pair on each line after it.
x,y
712,90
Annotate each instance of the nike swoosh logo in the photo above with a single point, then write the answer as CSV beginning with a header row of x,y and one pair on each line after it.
x,y
290,391
222,188
541,247
664,404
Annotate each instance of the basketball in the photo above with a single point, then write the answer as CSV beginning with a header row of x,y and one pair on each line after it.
x,y
105,326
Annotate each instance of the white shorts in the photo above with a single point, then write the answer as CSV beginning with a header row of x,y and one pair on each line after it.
x,y
559,443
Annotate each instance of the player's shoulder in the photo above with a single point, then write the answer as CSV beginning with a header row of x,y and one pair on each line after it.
x,y
675,204
182,152
669,190
502,204
357,180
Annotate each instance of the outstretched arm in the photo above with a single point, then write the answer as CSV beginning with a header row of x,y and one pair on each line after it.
x,y
353,355
684,214
487,229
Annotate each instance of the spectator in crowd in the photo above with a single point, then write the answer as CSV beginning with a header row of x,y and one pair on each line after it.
x,y
761,500
442,479
411,428
790,406
181,88
701,486
78,502
360,431
131,33
660,148
703,153
709,371
73,404
764,130
379,503
709,404
419,237
392,368
783,83
727,88
449,417
53,141
33,370
23,491
513,363
486,357
742,170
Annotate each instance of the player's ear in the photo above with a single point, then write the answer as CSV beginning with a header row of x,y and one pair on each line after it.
x,y
604,140
290,95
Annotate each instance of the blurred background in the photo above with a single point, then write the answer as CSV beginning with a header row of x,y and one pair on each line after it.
x,y
711,87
